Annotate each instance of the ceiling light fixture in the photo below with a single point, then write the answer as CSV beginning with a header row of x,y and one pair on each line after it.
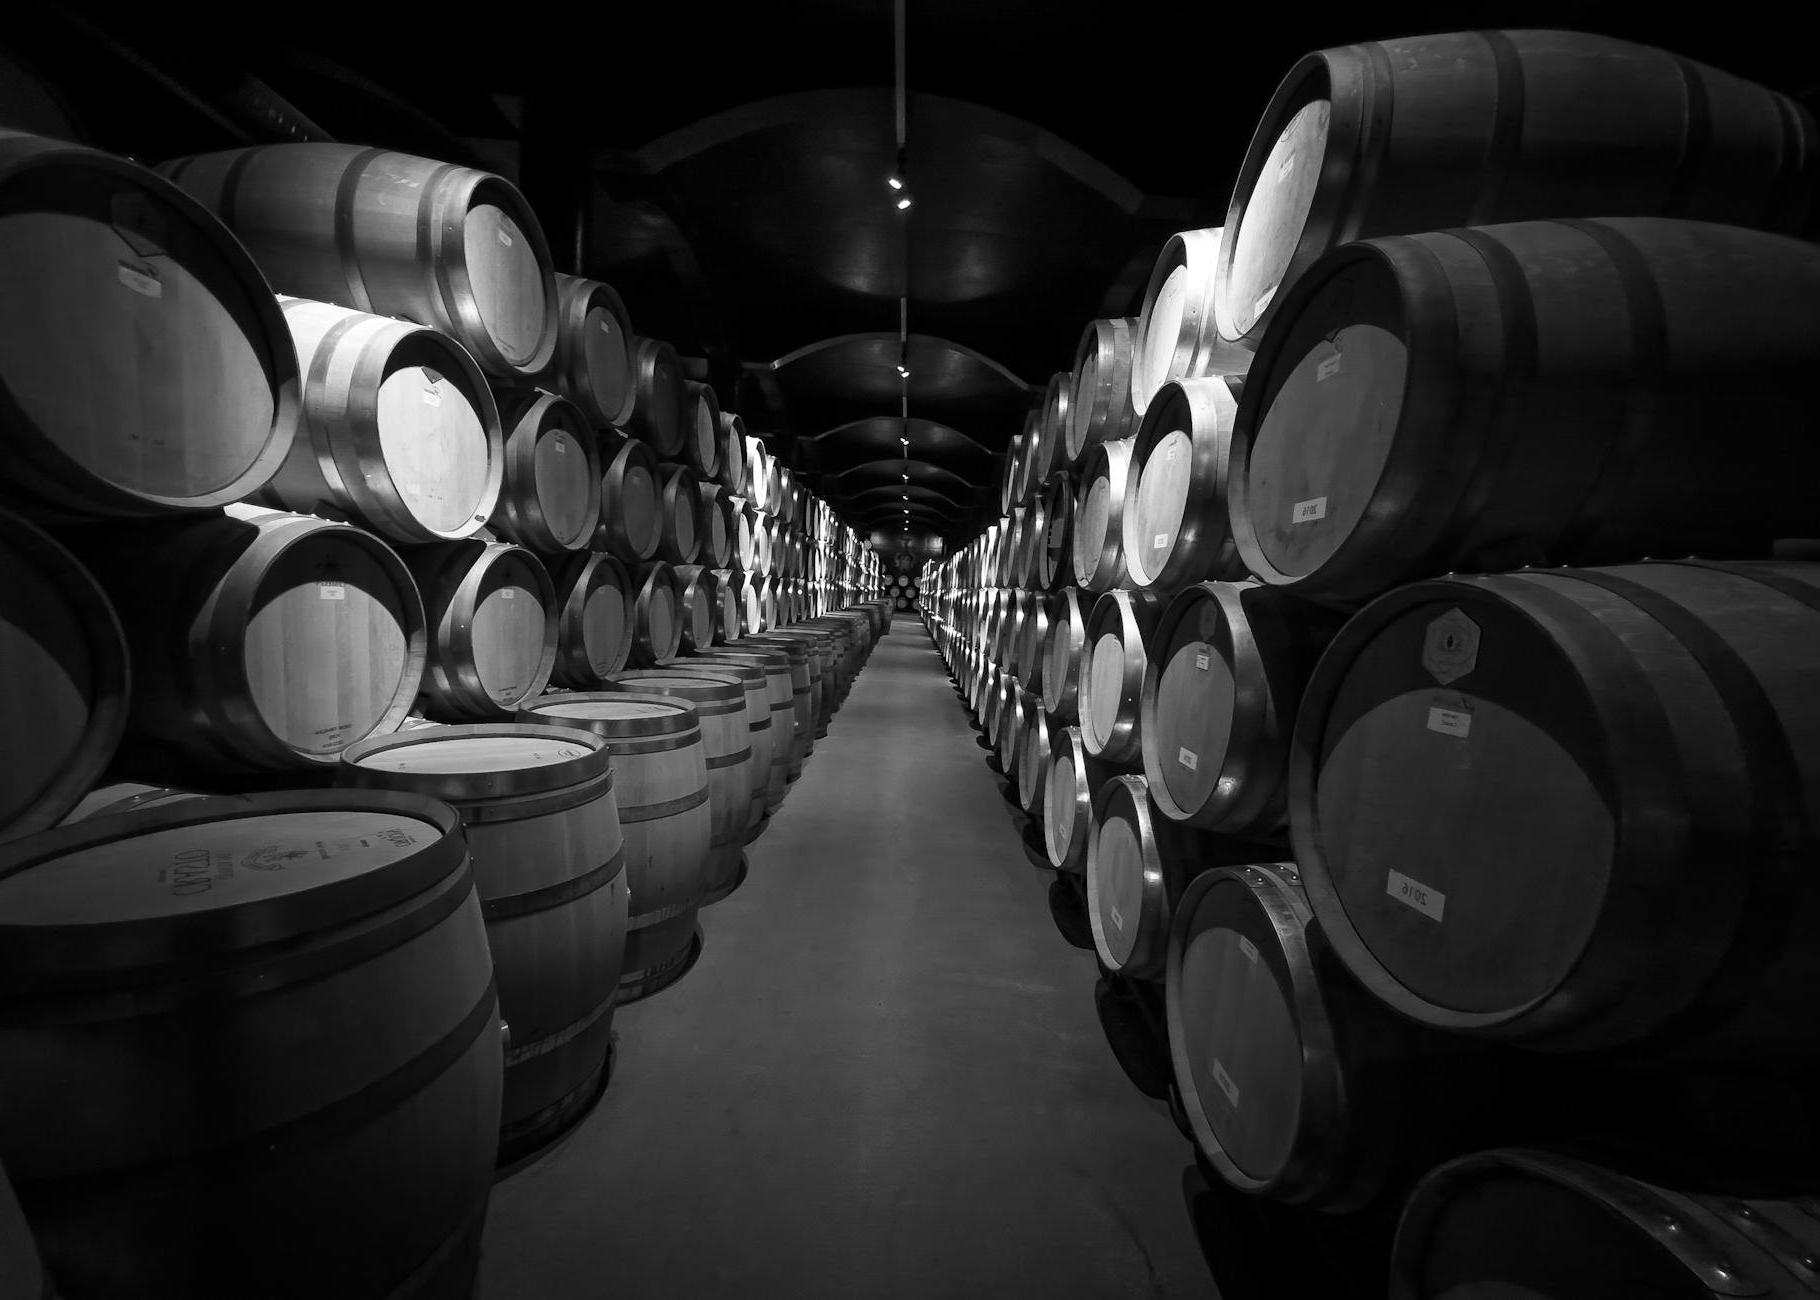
x,y
903,370
903,202
895,182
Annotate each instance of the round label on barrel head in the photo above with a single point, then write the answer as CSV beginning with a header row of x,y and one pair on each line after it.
x,y
227,863
461,754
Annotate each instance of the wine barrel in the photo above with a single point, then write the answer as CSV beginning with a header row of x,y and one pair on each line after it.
x,y
315,962
400,432
537,807
1100,409
449,247
656,615
1660,336
1051,543
1008,726
660,780
768,602
1051,446
593,363
809,706
751,673
1033,642
718,530
631,503
1229,663
679,515
1099,512
803,683
1064,651
594,620
550,499
726,607
1616,802
1114,666
732,471
64,695
1174,525
657,413
697,596
1544,1224
774,665
758,474
491,610
1138,864
1286,1069
1033,756
748,591
1176,337
701,432
1476,128
179,333
1074,777
720,704
260,639
745,541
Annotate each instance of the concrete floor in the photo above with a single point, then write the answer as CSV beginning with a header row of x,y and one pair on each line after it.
x,y
884,1078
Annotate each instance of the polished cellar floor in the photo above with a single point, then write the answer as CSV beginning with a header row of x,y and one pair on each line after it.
x,y
884,1078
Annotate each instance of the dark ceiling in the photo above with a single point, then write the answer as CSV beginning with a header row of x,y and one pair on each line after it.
x,y
724,167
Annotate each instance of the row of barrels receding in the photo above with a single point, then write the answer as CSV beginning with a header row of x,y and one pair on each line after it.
x,y
249,530
1461,898
389,987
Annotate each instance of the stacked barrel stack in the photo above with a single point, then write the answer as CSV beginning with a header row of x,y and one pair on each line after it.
x,y
401,651
1417,803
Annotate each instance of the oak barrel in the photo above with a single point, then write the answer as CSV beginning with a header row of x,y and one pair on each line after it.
x,y
449,247
594,619
726,607
660,781
1052,542
751,672
1383,436
1177,338
697,597
679,515
701,429
1100,409
593,362
1033,756
304,979
178,332
550,499
65,692
1064,651
537,807
802,699
1099,512
1575,808
718,529
1114,665
656,615
491,609
1174,525
1229,663
732,471
719,697
1474,128
657,412
631,503
400,431
261,639
774,663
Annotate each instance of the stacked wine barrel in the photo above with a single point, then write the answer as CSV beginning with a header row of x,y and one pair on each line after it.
x,y
1408,693
361,498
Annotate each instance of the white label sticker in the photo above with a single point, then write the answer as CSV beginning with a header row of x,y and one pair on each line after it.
x,y
1158,542
1249,948
1118,919
1328,368
1450,722
605,328
1306,512
508,593
1227,1086
1202,661
144,281
1187,758
505,240
331,591
432,396
562,444
1429,902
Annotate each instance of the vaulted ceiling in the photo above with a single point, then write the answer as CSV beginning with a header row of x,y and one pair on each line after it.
x,y
725,168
